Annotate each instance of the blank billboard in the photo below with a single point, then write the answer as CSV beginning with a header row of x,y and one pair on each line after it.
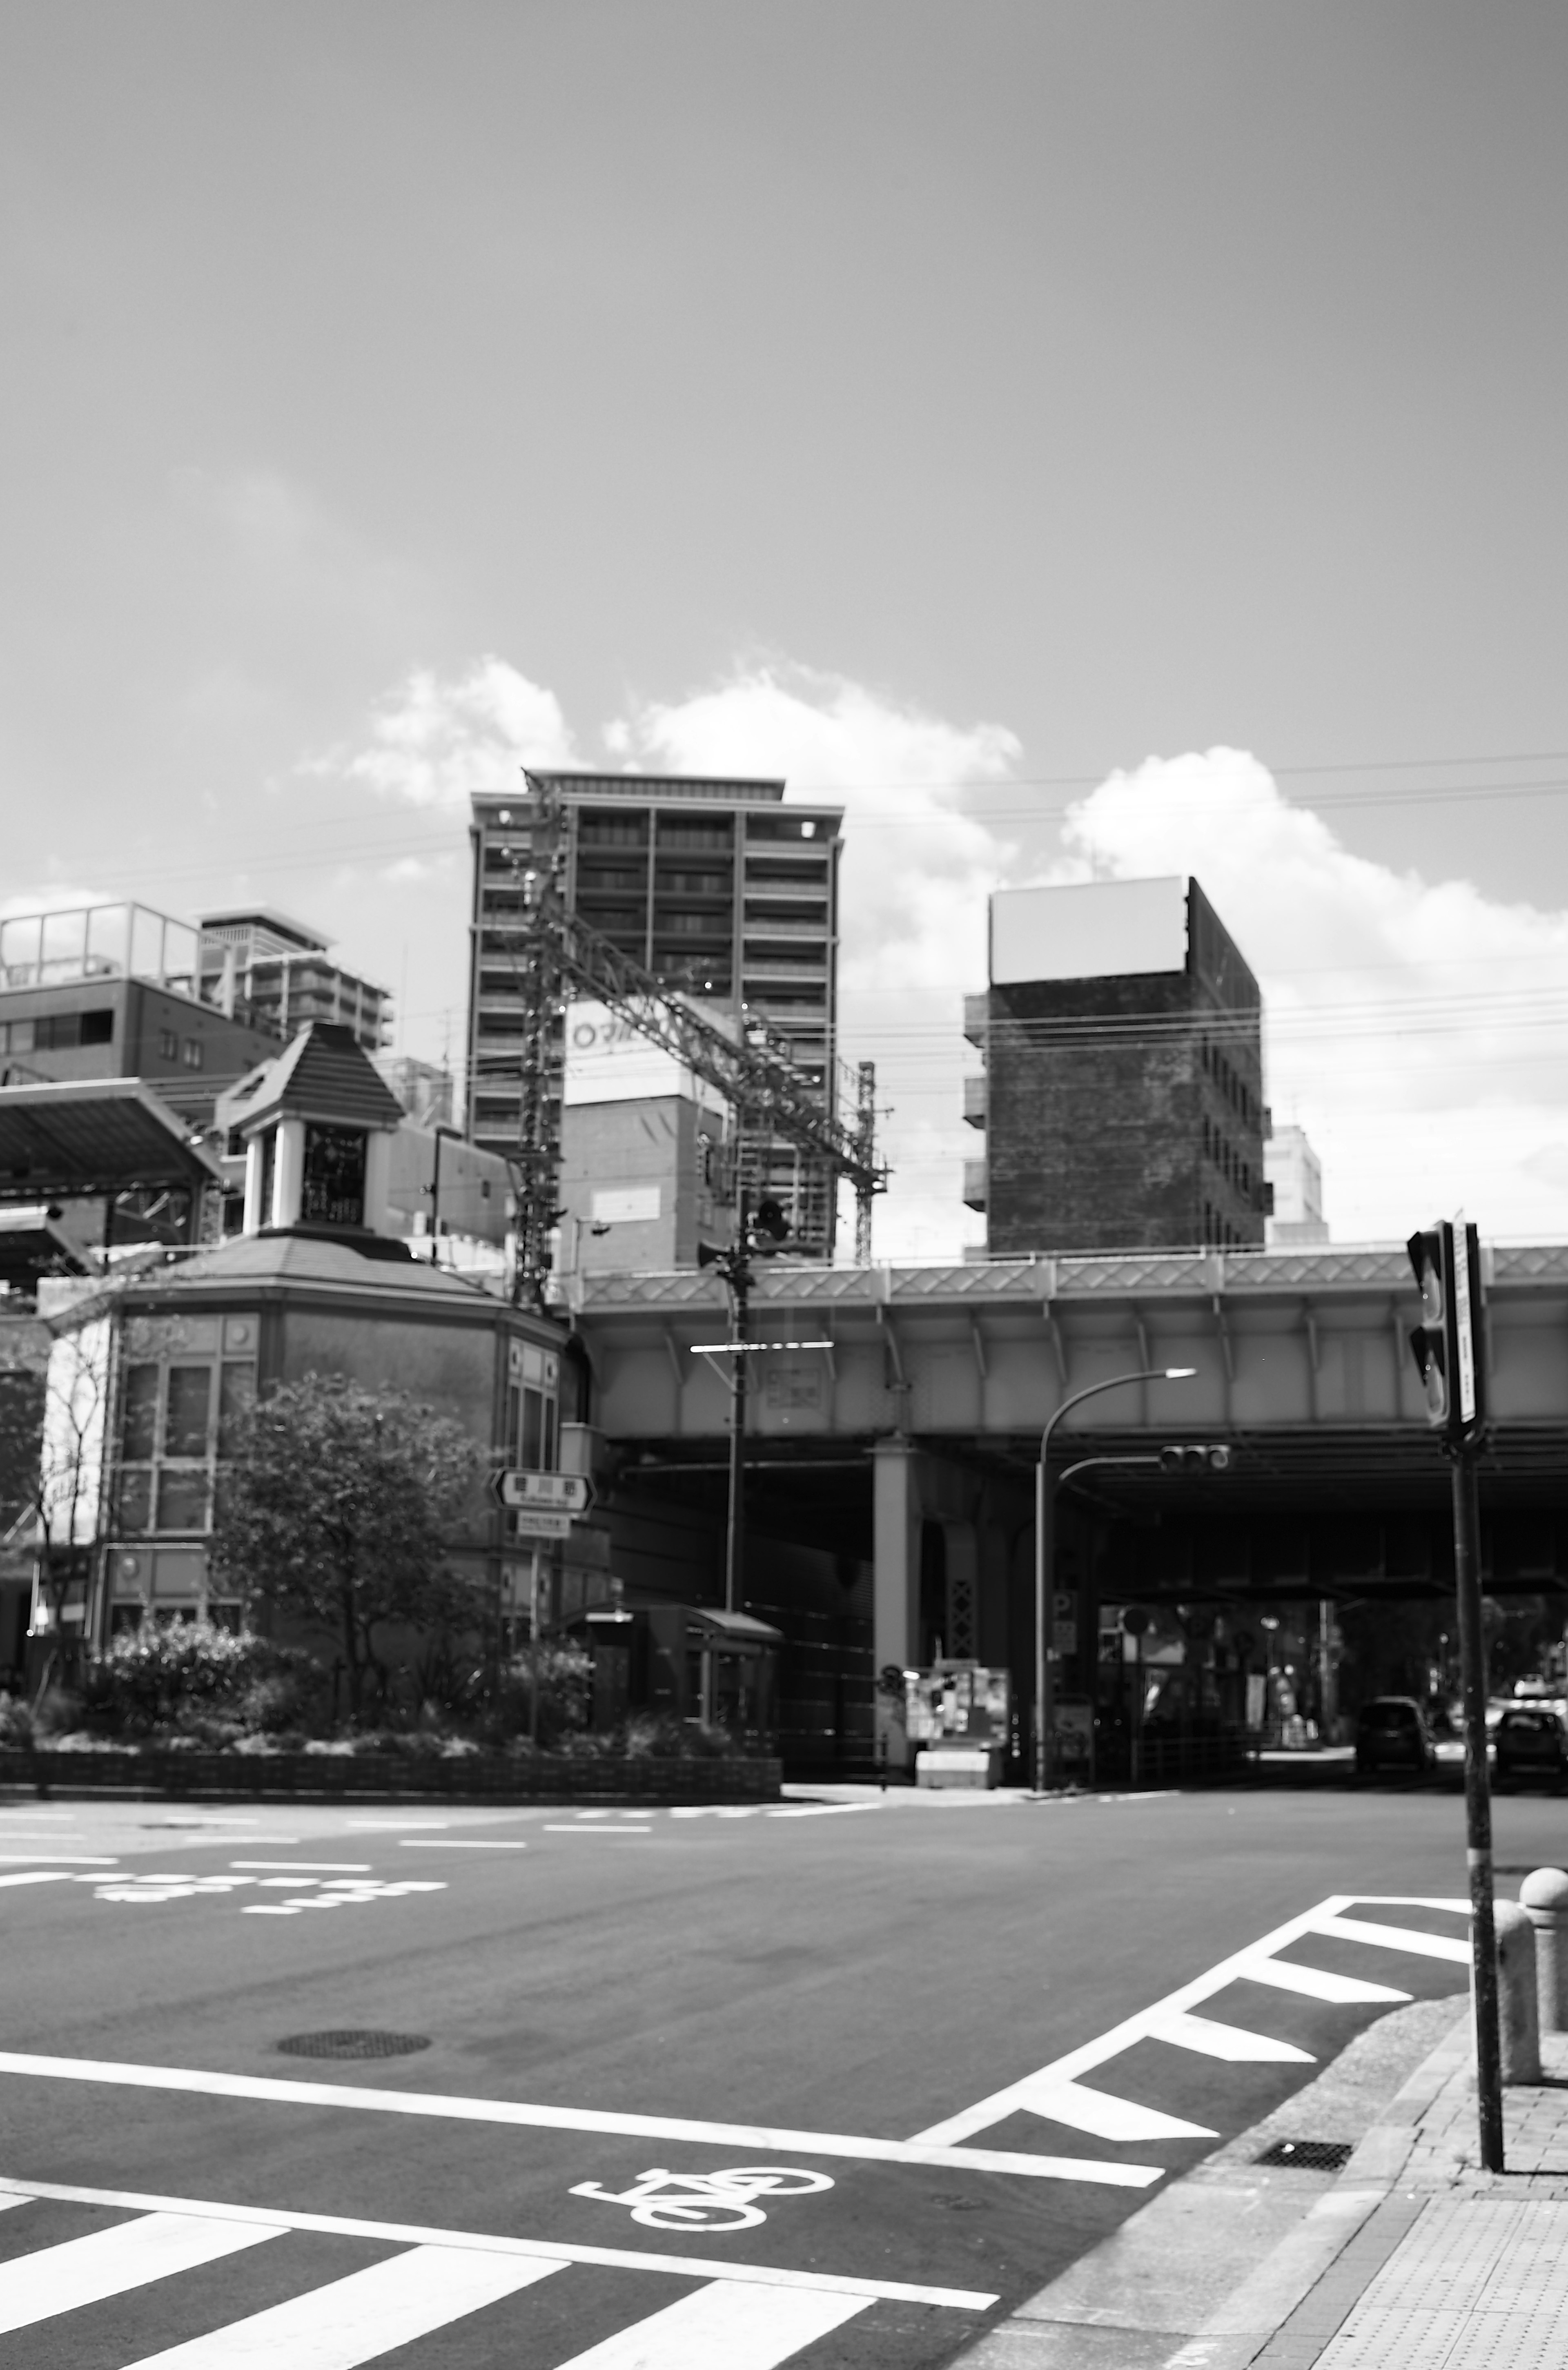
x,y
1095,929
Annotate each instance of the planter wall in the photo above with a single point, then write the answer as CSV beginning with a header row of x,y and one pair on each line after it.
x,y
334,1777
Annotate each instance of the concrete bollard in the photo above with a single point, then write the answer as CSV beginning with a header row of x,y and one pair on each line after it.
x,y
1518,2019
1544,1899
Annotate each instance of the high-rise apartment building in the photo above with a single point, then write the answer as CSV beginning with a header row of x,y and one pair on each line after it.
x,y
717,886
1123,1097
278,972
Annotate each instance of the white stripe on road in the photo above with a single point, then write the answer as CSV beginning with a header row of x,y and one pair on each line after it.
x,y
1106,2117
460,1843
1327,1919
724,2327
305,1866
77,1859
615,2258
1227,2041
39,1876
1316,1983
578,2118
598,1831
105,2263
351,2320
1396,1937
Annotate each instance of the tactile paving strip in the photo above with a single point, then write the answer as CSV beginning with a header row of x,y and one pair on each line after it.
x,y
1473,2285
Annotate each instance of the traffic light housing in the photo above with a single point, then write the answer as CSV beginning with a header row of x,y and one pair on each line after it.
x,y
1447,1345
1212,1457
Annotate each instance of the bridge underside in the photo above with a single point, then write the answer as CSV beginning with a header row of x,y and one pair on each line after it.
x,y
896,1428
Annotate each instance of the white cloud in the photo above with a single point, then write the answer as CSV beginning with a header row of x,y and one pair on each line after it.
x,y
1412,1025
434,744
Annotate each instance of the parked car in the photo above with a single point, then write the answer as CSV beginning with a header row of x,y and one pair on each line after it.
x,y
1392,1733
1530,1742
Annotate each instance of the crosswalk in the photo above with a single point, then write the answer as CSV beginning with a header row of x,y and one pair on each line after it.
x,y
739,2316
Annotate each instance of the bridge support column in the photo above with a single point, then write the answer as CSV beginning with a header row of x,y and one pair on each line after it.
x,y
895,1580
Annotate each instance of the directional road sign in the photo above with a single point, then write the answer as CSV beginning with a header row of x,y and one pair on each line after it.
x,y
568,1495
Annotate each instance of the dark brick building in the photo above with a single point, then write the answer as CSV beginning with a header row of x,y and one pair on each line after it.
x,y
1123,1099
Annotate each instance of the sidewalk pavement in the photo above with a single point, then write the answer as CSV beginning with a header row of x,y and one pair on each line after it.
x,y
1413,2255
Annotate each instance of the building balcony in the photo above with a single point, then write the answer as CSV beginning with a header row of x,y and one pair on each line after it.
x,y
775,926
975,1184
977,1019
975,1091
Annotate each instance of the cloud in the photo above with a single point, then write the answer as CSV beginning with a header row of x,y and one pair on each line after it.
x,y
433,742
1412,1025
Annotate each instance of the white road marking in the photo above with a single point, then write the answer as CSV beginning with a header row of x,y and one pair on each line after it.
x,y
1397,1938
462,1843
817,1810
84,2271
722,2328
598,1831
78,1859
351,2320
308,1867
41,1875
395,1827
1106,2117
771,2141
686,2267
1315,1982
1326,1918
1227,2041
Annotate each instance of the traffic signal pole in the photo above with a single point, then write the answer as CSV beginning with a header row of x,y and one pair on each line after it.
x,y
1450,1356
738,1280
1478,1808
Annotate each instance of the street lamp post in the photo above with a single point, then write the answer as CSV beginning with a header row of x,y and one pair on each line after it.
x,y
1044,1542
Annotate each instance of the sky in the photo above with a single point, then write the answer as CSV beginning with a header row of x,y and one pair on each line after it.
x,y
1091,439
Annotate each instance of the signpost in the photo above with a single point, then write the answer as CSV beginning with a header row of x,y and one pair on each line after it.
x,y
566,1494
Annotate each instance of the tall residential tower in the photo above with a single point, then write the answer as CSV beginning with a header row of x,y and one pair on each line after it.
x,y
716,886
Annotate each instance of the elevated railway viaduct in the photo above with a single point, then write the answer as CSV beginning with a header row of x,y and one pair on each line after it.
x,y
890,1472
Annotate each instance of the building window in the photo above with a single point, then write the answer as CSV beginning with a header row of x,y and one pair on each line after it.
x,y
168,1045
333,1190
530,1438
177,1420
192,1053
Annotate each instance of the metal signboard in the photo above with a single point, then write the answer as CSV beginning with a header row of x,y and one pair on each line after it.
x,y
539,1522
567,1494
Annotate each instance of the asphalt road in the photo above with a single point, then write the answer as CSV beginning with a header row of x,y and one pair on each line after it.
x,y
620,2009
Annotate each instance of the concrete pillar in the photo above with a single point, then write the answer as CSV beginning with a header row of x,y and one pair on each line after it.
x,y
256,1217
378,1180
1516,2015
1544,1899
288,1173
895,1579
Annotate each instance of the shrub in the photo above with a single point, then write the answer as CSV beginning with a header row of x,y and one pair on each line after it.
x,y
204,1682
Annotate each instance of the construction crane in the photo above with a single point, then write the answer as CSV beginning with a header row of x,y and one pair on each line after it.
x,y
553,949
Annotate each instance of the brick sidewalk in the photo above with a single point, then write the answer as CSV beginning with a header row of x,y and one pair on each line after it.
x,y
1456,2267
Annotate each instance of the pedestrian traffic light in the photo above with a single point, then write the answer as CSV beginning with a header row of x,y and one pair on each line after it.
x,y
1206,1458
768,1219
1446,1262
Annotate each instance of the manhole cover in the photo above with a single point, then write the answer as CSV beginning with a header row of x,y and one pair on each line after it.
x,y
1308,2156
352,2042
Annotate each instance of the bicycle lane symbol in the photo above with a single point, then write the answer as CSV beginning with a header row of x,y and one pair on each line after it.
x,y
662,2200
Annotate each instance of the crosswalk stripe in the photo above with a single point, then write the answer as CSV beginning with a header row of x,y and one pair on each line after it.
x,y
1396,1937
481,2242
1228,2041
1316,1983
106,2262
725,2327
353,2320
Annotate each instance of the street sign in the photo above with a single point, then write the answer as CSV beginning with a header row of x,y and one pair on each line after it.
x,y
568,1495
539,1522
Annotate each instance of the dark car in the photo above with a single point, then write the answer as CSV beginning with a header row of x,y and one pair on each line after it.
x,y
1392,1733
1530,1742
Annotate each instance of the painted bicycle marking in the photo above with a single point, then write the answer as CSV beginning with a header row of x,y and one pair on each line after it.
x,y
662,2200
341,1893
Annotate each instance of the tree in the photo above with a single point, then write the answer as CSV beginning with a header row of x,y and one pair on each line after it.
x,y
339,1506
